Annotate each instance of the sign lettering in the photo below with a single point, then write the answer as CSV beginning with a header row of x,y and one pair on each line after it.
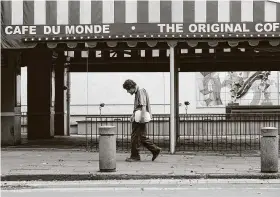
x,y
126,29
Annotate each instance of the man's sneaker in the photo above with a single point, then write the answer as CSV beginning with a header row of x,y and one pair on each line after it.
x,y
132,159
155,154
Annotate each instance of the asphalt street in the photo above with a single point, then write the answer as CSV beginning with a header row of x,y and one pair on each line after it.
x,y
147,188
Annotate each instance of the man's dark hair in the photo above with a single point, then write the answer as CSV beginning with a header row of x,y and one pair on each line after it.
x,y
128,84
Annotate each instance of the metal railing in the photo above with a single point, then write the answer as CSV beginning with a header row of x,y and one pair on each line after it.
x,y
223,132
157,130
197,132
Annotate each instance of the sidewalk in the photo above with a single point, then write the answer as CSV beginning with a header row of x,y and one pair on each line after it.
x,y
73,165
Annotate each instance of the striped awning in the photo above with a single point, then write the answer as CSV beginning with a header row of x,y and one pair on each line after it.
x,y
65,20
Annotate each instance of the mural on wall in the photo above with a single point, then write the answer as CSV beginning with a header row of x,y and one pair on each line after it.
x,y
211,88
246,88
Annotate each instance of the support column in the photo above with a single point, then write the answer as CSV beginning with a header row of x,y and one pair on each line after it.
x,y
173,103
40,111
60,116
11,98
67,100
176,89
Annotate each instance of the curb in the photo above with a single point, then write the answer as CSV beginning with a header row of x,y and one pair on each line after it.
x,y
87,177
119,152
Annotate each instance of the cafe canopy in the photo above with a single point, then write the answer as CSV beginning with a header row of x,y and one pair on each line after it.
x,y
26,23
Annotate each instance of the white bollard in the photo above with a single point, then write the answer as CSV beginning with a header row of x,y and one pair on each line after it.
x,y
107,149
269,149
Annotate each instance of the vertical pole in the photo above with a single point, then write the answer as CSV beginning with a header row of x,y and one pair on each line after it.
x,y
176,90
60,127
68,84
278,86
65,119
172,98
163,93
52,110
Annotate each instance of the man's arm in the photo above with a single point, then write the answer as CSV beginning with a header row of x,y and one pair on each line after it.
x,y
143,104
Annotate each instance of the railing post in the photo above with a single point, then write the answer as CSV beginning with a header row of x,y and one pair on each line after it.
x,y
173,110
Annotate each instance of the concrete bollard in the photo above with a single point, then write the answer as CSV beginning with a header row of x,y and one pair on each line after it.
x,y
107,149
269,149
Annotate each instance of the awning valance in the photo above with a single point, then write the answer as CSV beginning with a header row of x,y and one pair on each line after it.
x,y
160,44
42,20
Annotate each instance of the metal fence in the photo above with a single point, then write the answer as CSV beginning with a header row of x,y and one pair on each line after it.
x,y
223,132
197,132
157,130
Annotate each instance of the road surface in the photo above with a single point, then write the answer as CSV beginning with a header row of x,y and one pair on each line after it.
x,y
147,188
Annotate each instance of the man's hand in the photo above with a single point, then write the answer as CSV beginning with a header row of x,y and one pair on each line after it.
x,y
132,118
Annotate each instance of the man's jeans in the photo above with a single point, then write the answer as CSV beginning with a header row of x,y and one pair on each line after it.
x,y
138,137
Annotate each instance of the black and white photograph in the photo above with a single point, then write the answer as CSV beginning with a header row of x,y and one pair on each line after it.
x,y
140,98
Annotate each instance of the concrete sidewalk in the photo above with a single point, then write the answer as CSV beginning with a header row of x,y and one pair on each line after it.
x,y
73,165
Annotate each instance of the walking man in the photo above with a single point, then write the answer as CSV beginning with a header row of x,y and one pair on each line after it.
x,y
139,127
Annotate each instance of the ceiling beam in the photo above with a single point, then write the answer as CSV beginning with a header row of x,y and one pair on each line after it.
x,y
184,66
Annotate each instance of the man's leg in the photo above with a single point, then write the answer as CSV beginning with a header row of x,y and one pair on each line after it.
x,y
135,140
147,143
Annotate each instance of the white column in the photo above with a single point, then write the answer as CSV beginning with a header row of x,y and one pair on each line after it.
x,y
52,111
172,98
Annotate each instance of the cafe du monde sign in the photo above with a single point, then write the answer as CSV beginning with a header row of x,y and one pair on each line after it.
x,y
147,29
